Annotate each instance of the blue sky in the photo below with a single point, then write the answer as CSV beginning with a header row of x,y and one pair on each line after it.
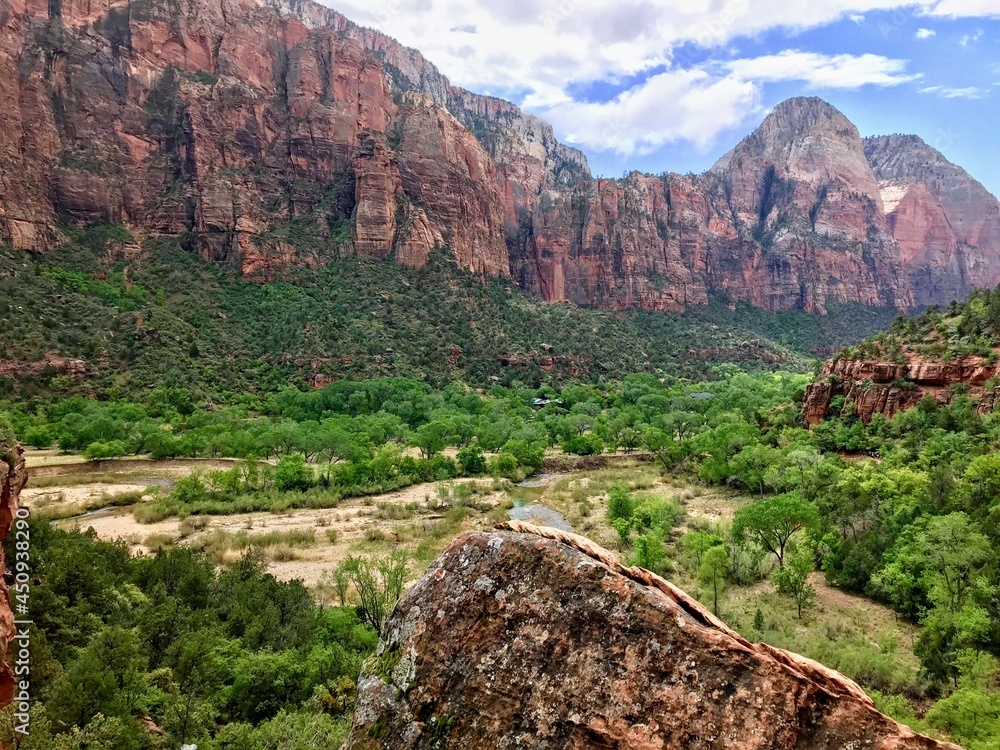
x,y
671,85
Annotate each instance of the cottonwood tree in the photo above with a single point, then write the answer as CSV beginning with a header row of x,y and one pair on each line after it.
x,y
773,521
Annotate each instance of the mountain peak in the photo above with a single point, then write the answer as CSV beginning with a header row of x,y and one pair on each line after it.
x,y
802,121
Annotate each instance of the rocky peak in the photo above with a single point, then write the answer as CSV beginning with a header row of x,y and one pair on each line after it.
x,y
811,141
801,187
946,223
533,638
908,157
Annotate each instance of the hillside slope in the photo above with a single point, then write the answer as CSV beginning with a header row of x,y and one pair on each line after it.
x,y
98,314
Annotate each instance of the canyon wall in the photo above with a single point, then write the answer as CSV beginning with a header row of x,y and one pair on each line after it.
x,y
550,642
277,134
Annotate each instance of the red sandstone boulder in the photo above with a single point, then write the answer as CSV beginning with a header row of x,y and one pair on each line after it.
x,y
532,638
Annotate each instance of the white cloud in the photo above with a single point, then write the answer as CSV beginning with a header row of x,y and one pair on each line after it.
x,y
699,104
966,8
542,54
687,105
968,39
946,92
824,71
925,33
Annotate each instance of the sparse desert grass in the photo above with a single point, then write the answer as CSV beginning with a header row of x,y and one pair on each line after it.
x,y
157,542
91,477
227,547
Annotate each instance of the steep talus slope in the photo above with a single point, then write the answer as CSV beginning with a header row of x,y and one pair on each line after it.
x,y
552,643
13,476
946,223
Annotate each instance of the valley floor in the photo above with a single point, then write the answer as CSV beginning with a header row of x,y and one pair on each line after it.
x,y
851,633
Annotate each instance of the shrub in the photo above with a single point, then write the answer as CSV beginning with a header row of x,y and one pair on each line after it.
x,y
583,445
292,473
472,461
99,451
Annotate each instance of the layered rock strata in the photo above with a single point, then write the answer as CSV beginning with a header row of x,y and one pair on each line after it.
x,y
880,387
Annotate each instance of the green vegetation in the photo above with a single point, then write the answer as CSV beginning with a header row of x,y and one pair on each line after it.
x,y
915,530
125,314
436,375
965,329
124,647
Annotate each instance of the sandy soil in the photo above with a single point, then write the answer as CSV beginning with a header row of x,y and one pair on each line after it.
x,y
352,520
60,500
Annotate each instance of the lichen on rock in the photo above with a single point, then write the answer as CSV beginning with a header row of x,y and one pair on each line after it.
x,y
567,648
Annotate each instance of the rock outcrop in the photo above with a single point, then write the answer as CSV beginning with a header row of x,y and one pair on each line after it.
x,y
881,387
13,476
270,134
946,223
550,642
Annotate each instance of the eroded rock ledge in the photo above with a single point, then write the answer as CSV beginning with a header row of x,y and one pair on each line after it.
x,y
882,387
525,637
13,476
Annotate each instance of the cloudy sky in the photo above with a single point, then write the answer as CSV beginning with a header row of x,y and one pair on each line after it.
x,y
663,85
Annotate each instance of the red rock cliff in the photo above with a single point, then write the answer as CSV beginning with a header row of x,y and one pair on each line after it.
x,y
551,643
881,387
946,223
13,475
269,134
222,121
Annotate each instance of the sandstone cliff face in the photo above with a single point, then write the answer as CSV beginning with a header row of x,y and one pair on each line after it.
x,y
220,120
880,387
13,476
551,643
946,223
276,134
801,186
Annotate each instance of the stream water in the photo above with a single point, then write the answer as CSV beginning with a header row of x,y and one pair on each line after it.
x,y
528,509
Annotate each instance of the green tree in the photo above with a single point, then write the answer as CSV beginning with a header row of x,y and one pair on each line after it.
x,y
431,438
773,521
712,573
378,582
292,473
620,503
793,579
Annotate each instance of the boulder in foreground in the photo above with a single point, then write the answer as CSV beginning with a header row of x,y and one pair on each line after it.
x,y
532,638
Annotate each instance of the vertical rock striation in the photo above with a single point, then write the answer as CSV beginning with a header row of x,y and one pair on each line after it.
x,y
271,134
